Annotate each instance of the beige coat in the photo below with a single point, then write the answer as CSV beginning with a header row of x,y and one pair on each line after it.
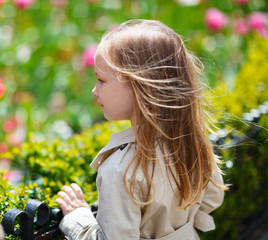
x,y
119,218
2,233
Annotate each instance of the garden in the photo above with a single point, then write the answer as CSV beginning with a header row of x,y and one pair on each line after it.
x,y
51,127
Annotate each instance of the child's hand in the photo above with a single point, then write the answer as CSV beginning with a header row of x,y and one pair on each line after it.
x,y
71,198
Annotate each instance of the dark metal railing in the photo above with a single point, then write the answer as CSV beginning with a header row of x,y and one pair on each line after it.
x,y
26,223
38,222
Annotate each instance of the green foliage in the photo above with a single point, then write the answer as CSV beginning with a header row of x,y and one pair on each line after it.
x,y
52,165
247,197
248,176
48,167
10,198
250,87
17,197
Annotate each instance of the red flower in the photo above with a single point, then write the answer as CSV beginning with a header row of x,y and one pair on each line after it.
x,y
17,136
263,32
241,26
242,1
23,3
10,124
215,19
89,54
257,21
3,147
2,89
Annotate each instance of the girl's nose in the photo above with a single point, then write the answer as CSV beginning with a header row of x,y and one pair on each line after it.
x,y
94,91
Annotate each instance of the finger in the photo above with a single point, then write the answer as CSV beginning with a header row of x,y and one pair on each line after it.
x,y
65,197
78,191
70,192
62,205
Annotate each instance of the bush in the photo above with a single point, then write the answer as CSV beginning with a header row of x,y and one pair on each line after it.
x,y
60,163
49,166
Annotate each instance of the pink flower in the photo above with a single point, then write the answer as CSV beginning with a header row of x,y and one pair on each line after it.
x,y
257,21
23,3
88,56
5,163
16,137
241,27
242,1
13,176
2,89
10,124
215,19
3,147
263,32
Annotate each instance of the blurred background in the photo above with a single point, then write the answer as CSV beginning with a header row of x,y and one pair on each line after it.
x,y
47,49
47,52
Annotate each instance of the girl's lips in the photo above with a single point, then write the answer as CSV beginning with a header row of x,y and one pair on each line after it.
x,y
101,105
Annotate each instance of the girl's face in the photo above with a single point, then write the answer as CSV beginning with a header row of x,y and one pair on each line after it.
x,y
115,98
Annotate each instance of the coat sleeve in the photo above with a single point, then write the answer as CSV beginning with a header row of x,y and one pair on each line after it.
x,y
80,224
212,199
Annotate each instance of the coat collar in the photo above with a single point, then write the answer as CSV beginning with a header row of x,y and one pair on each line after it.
x,y
116,140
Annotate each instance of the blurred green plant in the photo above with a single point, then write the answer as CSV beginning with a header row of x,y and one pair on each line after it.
x,y
42,56
52,165
246,164
248,91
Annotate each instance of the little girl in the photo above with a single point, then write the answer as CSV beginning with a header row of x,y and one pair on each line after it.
x,y
159,179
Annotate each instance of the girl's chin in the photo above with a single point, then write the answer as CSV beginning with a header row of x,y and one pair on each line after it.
x,y
110,118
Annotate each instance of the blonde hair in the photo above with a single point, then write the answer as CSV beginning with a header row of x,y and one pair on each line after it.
x,y
169,112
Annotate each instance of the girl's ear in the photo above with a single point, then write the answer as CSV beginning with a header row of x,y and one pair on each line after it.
x,y
121,78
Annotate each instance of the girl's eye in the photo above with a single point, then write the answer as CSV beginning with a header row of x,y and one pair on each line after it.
x,y
100,81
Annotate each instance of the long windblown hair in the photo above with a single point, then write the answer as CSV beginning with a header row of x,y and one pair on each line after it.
x,y
169,113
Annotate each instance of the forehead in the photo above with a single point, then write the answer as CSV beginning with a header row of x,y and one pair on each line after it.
x,y
99,63
102,68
